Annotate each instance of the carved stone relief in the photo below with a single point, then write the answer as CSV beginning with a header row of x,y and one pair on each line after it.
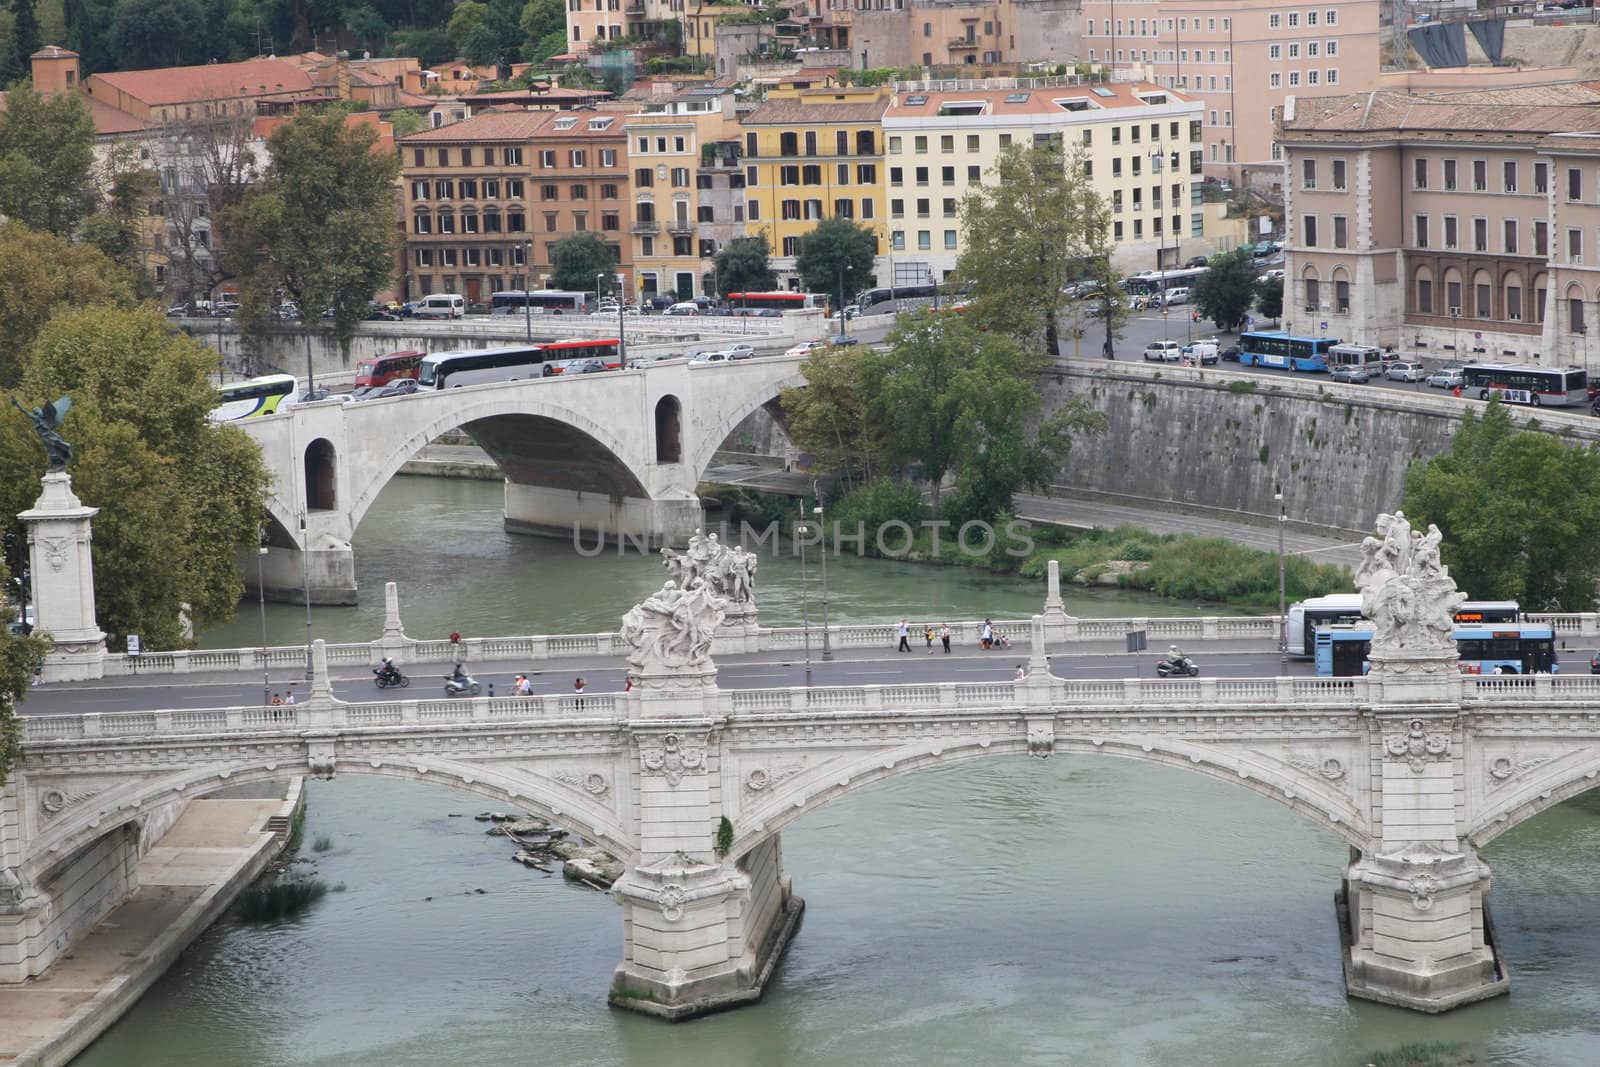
x,y
1418,746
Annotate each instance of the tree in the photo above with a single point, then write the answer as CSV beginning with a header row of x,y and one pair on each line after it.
x,y
431,46
210,160
88,24
406,123
1027,236
1225,292
46,151
116,228
18,654
469,14
23,44
539,20
917,407
744,266
320,223
1519,510
834,416
576,261
148,34
365,22
176,492
835,256
1269,298
39,275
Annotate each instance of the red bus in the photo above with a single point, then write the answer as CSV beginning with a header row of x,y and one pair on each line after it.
x,y
385,369
778,301
559,354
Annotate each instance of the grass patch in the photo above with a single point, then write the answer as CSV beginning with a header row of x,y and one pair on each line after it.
x,y
1244,386
279,899
1425,1054
1183,566
323,843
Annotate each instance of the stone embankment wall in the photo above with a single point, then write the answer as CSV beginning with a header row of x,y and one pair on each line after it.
x,y
1206,439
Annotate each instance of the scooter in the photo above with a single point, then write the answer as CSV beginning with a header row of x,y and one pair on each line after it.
x,y
394,678
1178,668
454,687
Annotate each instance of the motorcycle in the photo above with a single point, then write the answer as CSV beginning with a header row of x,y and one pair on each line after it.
x,y
393,677
1178,668
454,686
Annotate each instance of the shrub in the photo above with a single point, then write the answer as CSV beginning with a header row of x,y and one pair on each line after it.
x,y
875,504
279,900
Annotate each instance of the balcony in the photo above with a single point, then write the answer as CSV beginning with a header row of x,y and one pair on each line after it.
x,y
646,228
961,44
680,227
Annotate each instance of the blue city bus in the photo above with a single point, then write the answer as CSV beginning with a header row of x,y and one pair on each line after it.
x,y
1488,648
1274,348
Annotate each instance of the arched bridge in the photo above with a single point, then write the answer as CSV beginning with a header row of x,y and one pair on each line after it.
x,y
691,784
618,453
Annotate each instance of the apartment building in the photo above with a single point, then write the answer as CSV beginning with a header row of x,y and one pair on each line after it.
x,y
486,197
609,20
811,154
1138,142
688,187
1241,59
1455,225
956,33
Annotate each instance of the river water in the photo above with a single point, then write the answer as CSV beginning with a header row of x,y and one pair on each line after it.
x,y
1070,911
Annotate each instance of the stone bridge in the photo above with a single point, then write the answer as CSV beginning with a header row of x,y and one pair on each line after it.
x,y
617,454
691,785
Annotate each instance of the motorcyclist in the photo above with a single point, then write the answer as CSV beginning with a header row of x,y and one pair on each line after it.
x,y
1176,657
387,670
459,676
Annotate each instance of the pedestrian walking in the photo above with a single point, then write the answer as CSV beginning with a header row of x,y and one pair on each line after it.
x,y
927,633
1021,674
903,631
577,691
524,686
944,636
277,701
288,698
491,689
986,637
627,684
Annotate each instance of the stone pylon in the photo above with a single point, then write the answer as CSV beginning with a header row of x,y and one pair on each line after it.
x,y
62,565
701,930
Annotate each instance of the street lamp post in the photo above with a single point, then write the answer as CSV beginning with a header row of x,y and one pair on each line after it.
x,y
1283,612
622,329
261,599
801,532
527,297
305,574
827,647
841,302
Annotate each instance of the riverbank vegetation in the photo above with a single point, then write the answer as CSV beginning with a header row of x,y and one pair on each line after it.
x,y
1519,511
281,898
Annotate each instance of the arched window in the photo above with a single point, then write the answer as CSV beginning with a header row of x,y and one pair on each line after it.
x,y
669,430
320,481
1453,292
1341,290
1482,302
1541,294
1311,285
1422,291
1511,296
1575,319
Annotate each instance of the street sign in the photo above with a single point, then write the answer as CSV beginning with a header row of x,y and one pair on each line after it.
x,y
133,644
1324,324
1477,335
1249,320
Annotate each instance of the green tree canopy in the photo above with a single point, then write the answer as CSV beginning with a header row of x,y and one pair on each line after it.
x,y
148,34
577,261
406,123
835,415
1040,226
46,151
745,266
1269,298
1519,510
469,14
320,225
24,42
176,492
41,274
364,21
1225,292
837,254
540,20
18,654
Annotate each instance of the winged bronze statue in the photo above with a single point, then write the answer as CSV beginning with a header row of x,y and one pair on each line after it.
x,y
47,422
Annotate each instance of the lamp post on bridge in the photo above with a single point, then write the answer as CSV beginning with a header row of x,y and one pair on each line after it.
x,y
527,297
827,648
801,532
261,599
1283,613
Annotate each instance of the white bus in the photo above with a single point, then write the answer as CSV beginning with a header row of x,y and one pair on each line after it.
x,y
1523,383
540,301
1353,355
254,397
1344,609
475,366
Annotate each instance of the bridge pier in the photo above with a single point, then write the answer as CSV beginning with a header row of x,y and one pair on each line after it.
x,y
284,577
589,518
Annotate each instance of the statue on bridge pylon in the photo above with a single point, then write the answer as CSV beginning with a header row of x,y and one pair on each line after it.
x,y
1408,593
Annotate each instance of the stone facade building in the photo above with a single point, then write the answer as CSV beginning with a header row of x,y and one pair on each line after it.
x,y
1458,225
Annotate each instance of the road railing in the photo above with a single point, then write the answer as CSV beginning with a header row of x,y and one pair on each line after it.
x,y
1027,696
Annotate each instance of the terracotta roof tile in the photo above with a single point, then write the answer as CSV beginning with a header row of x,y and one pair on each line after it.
x,y
515,125
1026,101
214,81
790,111
1378,110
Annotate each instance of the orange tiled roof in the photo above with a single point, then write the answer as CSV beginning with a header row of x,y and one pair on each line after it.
x,y
1379,110
516,124
214,81
1025,101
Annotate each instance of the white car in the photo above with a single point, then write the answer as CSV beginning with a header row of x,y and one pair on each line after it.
x,y
1271,274
804,347
685,308
1177,296
1163,351
709,357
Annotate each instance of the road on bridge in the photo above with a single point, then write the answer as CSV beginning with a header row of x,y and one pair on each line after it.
x,y
605,674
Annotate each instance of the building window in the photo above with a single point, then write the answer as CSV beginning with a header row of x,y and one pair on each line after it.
x,y
1510,228
1338,174
1313,294
950,239
1420,174
1451,238
1574,183
513,157
1480,235
1421,231
1425,296
1541,238
1480,175
866,174
1574,246
924,240
1508,176
1541,177
1575,314
1340,232
1308,174
1309,226
894,146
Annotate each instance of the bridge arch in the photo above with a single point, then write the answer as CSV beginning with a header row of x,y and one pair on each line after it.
x,y
1542,788
623,461
738,403
110,812
669,430
1298,790
321,466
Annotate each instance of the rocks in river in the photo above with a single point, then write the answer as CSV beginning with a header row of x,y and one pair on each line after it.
x,y
493,816
541,845
593,865
527,825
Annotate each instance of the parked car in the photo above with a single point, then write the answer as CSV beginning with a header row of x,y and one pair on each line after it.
x,y
1176,296
685,308
381,314
1163,351
317,396
1447,378
803,347
288,310
1354,373
225,309
1269,275
587,366
1263,249
709,357
1405,372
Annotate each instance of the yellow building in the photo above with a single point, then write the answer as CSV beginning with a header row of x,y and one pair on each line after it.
x,y
1140,144
688,188
812,154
